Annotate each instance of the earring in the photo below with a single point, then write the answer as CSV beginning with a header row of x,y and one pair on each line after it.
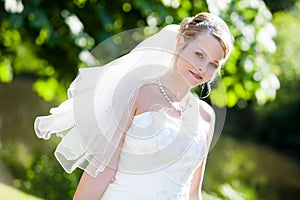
x,y
205,89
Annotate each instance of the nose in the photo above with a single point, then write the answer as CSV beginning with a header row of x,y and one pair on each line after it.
x,y
202,67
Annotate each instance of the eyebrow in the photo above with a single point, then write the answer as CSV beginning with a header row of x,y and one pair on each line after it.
x,y
216,62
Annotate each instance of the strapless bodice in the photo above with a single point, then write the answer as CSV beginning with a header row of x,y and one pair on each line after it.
x,y
158,159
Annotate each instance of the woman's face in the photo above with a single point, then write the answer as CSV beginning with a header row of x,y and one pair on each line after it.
x,y
198,59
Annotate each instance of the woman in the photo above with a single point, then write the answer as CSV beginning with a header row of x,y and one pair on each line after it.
x,y
137,130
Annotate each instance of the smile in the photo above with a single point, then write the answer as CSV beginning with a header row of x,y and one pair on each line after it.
x,y
196,75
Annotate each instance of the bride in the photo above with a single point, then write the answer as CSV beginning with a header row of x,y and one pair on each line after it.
x,y
134,126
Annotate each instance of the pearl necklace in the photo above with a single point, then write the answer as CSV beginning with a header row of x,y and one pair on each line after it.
x,y
175,105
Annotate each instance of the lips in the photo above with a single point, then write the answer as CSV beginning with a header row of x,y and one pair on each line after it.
x,y
198,77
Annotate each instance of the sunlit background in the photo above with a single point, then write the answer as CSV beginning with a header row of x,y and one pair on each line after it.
x,y
44,43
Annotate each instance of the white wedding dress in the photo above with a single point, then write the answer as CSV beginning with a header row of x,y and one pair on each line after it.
x,y
161,172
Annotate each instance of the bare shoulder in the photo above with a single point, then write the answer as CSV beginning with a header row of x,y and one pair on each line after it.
x,y
206,111
147,96
148,90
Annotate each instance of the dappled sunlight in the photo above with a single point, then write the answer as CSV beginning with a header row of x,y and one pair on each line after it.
x,y
43,44
73,22
171,3
13,6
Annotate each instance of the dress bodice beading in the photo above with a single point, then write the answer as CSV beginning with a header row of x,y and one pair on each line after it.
x,y
158,158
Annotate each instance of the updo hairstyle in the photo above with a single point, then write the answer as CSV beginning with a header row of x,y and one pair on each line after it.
x,y
209,23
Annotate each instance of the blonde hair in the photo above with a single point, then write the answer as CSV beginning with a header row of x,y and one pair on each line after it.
x,y
210,23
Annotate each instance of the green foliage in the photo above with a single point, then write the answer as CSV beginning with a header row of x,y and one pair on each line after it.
x,y
48,40
5,71
247,74
278,5
283,113
286,57
276,123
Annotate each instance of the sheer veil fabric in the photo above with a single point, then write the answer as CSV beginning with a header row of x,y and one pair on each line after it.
x,y
97,112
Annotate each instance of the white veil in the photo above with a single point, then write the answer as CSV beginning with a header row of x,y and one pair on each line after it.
x,y
97,112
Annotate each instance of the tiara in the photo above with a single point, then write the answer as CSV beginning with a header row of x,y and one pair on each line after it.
x,y
202,23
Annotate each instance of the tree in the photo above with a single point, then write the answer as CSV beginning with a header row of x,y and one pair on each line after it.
x,y
48,40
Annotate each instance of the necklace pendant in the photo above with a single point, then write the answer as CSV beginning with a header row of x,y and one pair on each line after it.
x,y
177,106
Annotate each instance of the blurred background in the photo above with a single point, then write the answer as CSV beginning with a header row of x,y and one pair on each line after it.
x,y
44,43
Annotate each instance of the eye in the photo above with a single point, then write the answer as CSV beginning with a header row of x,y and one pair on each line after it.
x,y
200,55
214,65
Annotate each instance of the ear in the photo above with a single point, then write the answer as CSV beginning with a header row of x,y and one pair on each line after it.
x,y
180,42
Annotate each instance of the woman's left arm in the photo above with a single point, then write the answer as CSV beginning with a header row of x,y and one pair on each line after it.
x,y
195,192
209,115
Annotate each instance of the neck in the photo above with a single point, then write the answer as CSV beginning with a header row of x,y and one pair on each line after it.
x,y
173,82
